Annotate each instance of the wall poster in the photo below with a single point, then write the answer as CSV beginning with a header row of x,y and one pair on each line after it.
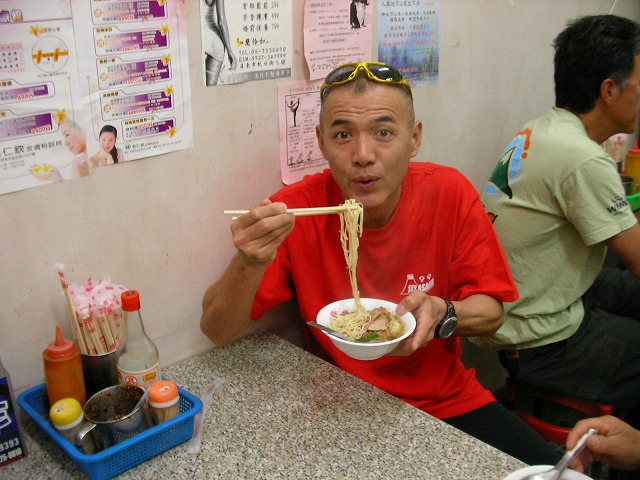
x,y
408,39
299,108
88,83
337,32
244,41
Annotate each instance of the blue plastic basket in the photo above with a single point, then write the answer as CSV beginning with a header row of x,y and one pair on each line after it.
x,y
125,455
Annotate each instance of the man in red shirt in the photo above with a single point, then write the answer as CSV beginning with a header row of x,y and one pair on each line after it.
x,y
427,245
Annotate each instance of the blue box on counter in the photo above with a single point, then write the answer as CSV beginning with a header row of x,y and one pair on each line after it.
x,y
125,455
11,447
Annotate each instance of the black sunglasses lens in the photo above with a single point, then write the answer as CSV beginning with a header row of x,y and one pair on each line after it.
x,y
386,73
340,74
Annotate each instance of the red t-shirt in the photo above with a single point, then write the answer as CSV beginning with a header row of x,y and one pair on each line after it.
x,y
439,240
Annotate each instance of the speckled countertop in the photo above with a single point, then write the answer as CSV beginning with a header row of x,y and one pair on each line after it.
x,y
283,413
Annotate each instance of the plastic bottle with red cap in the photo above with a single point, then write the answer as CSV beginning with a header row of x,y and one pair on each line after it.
x,y
632,166
138,359
63,370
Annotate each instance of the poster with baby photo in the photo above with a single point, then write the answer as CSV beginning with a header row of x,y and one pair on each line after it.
x,y
89,83
41,134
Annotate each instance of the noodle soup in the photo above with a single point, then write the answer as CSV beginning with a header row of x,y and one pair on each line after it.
x,y
362,325
360,350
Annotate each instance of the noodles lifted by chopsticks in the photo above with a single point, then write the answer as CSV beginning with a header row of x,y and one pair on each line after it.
x,y
379,324
351,222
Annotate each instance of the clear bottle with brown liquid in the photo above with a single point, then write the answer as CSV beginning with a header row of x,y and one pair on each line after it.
x,y
138,359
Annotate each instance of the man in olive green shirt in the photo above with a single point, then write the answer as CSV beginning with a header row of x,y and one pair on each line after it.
x,y
557,203
554,210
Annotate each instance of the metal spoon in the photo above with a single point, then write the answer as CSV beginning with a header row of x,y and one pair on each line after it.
x,y
330,331
143,398
555,472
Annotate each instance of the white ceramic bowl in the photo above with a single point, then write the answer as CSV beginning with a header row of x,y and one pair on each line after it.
x,y
566,475
360,350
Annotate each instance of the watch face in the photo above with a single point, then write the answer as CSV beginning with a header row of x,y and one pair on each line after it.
x,y
447,327
449,323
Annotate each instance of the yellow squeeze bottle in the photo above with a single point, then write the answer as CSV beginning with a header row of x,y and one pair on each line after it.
x,y
632,166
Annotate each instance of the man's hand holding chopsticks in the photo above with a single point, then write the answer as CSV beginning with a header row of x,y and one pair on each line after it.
x,y
258,233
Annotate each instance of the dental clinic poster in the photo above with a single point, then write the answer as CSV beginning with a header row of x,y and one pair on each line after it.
x,y
79,67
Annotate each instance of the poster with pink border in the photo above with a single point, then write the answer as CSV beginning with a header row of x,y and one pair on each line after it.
x,y
337,32
298,111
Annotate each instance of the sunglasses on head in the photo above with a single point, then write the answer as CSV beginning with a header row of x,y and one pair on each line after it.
x,y
376,71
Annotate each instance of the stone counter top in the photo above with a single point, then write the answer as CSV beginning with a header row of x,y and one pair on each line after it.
x,y
283,413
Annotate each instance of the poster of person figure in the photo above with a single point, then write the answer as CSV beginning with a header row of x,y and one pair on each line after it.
x,y
108,153
357,13
81,164
216,43
74,139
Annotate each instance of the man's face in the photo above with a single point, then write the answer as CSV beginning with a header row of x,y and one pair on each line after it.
x,y
625,109
368,138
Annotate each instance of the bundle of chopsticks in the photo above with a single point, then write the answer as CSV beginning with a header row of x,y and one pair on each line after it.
x,y
95,314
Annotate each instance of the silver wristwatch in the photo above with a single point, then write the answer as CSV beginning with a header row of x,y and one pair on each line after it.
x,y
449,322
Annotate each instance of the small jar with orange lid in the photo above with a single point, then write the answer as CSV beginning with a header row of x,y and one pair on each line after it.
x,y
164,401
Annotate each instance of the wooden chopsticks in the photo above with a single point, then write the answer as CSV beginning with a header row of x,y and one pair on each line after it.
x,y
302,212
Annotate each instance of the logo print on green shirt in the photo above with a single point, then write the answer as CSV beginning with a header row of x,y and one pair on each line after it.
x,y
509,164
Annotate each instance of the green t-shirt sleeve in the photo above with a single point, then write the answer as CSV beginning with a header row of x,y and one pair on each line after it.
x,y
593,200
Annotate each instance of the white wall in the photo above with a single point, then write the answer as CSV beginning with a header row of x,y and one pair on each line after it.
x,y
157,226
